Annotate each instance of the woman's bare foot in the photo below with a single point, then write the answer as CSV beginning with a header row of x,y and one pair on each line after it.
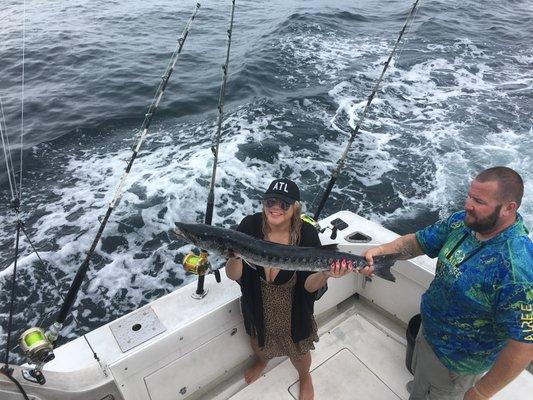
x,y
306,388
254,372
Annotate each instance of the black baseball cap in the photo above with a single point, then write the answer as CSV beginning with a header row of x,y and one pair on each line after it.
x,y
283,189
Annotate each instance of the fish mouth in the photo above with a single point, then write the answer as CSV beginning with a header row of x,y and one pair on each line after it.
x,y
178,232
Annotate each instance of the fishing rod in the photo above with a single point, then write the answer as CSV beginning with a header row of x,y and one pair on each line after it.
x,y
82,271
6,370
200,291
15,205
355,131
33,342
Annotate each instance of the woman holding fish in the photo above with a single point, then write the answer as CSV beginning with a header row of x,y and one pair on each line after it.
x,y
277,304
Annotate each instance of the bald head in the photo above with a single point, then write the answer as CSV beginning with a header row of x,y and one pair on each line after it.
x,y
510,183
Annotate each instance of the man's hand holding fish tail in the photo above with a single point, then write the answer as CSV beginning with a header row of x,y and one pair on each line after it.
x,y
407,246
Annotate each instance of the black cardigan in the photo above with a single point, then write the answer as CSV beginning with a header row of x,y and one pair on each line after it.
x,y
252,302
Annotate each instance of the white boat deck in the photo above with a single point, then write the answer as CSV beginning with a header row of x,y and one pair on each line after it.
x,y
354,359
360,355
185,349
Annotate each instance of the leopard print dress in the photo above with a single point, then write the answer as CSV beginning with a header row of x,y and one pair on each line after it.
x,y
277,309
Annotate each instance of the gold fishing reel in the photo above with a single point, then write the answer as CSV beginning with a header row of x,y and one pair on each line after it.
x,y
197,264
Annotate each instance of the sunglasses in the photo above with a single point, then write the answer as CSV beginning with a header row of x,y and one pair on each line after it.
x,y
269,203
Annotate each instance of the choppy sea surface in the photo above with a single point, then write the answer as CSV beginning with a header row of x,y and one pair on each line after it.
x,y
456,99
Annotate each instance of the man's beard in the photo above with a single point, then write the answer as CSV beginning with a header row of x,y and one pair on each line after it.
x,y
485,224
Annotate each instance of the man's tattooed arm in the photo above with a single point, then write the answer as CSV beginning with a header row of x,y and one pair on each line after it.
x,y
407,246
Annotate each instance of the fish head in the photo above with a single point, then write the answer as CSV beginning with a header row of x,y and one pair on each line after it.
x,y
189,232
202,236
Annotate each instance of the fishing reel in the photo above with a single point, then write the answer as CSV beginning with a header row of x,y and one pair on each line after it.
x,y
37,346
197,264
308,219
39,349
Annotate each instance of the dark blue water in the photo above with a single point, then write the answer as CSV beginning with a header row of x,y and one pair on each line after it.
x,y
457,98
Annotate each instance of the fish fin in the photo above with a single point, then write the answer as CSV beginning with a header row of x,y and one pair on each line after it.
x,y
385,273
329,247
383,264
386,260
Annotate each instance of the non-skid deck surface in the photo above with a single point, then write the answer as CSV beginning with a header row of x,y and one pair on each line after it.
x,y
345,374
354,360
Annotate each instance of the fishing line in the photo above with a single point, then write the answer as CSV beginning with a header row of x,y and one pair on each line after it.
x,y
408,32
22,92
354,131
7,153
44,267
15,203
6,370
34,249
344,202
82,271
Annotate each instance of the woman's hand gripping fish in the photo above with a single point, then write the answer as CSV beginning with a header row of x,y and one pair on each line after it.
x,y
230,243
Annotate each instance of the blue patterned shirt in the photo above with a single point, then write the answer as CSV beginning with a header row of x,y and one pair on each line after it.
x,y
482,294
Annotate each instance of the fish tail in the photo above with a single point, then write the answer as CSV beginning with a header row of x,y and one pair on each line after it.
x,y
386,260
383,265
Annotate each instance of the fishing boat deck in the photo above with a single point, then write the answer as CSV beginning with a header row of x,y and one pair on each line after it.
x,y
360,355
182,348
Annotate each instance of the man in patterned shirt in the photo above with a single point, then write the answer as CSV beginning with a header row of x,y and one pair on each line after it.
x,y
477,314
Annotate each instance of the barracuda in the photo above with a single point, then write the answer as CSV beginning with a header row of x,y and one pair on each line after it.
x,y
228,243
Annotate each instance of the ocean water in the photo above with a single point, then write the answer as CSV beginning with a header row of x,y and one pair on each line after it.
x,y
456,99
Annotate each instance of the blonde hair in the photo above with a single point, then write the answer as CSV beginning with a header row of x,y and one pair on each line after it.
x,y
295,228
